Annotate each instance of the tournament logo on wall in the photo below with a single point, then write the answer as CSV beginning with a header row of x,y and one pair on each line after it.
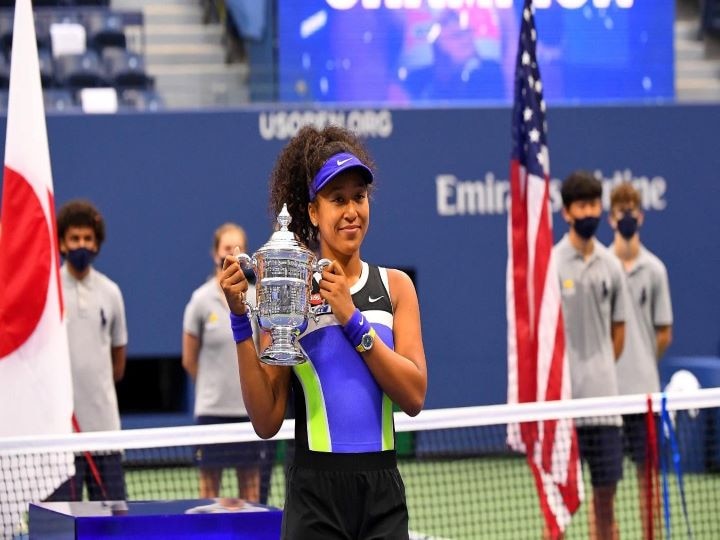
x,y
368,123
490,195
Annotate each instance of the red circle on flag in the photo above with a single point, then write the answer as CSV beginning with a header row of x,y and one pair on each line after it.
x,y
25,261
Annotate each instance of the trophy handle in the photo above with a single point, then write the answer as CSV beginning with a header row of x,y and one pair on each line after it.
x,y
321,265
247,262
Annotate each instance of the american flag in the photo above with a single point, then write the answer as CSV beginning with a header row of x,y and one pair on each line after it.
x,y
537,363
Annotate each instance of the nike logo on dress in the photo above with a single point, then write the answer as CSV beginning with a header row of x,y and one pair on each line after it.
x,y
373,300
341,162
362,320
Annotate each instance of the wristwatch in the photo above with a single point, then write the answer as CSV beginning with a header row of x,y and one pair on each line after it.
x,y
367,341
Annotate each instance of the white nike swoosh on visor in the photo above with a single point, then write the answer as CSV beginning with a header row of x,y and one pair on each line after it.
x,y
373,300
341,162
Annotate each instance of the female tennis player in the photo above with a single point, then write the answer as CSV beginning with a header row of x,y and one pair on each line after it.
x,y
365,349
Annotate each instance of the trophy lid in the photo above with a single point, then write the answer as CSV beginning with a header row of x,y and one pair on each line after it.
x,y
283,238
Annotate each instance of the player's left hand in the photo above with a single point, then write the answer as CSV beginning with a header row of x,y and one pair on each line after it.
x,y
233,283
335,291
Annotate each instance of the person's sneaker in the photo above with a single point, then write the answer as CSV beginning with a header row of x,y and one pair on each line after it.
x,y
224,506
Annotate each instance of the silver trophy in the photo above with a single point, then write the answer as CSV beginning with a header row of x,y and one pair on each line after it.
x,y
284,269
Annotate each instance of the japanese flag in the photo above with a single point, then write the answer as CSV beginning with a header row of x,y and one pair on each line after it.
x,y
35,379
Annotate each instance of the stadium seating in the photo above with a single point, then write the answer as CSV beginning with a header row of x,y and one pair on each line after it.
x,y
42,32
711,17
105,29
4,72
47,68
59,100
140,100
125,69
75,71
6,31
47,76
81,44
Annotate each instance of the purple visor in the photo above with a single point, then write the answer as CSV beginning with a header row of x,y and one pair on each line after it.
x,y
334,166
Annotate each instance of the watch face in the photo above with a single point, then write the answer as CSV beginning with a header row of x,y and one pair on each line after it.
x,y
367,341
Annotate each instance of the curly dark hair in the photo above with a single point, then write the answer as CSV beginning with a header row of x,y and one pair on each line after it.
x,y
81,213
297,165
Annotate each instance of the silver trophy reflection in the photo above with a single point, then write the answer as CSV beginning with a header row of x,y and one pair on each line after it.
x,y
284,269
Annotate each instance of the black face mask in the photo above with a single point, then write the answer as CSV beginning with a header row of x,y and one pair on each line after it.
x,y
627,226
586,226
80,258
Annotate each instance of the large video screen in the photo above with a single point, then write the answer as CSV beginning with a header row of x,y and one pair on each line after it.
x,y
463,51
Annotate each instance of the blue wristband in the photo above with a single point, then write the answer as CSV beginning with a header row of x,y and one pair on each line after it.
x,y
356,328
241,327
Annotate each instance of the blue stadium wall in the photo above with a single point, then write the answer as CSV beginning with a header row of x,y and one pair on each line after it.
x,y
165,181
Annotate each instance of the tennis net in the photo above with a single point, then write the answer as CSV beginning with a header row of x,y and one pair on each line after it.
x,y
462,481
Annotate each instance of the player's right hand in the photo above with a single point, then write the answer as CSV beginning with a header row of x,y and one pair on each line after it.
x,y
233,283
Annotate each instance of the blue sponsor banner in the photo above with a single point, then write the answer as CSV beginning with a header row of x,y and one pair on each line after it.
x,y
165,182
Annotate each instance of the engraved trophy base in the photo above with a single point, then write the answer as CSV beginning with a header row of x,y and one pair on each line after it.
x,y
276,357
283,351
